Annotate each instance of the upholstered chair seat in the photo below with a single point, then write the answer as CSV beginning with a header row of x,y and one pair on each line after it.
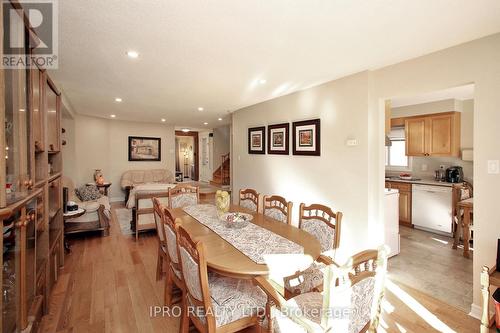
x,y
321,222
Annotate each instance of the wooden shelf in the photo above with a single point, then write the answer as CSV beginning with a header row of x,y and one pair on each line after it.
x,y
54,176
53,152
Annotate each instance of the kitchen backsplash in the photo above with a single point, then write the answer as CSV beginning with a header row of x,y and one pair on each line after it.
x,y
433,164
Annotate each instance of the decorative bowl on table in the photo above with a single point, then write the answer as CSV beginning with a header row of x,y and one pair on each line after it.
x,y
236,219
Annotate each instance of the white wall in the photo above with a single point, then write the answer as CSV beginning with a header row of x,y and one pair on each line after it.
x,y
103,144
352,179
338,177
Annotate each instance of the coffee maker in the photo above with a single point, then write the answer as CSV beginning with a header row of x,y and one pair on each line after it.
x,y
454,174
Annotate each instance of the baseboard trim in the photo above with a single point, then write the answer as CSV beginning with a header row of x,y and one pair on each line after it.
x,y
475,311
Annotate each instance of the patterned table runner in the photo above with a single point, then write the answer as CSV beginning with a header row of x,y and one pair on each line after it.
x,y
253,241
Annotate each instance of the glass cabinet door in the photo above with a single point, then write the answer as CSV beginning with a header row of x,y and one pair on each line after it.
x,y
52,104
11,270
17,128
18,271
38,121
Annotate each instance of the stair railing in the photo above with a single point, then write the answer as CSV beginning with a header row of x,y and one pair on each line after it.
x,y
224,176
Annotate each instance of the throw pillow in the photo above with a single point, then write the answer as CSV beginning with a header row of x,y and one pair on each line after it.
x,y
88,193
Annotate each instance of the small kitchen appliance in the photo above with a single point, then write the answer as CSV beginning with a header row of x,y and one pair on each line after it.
x,y
440,174
454,174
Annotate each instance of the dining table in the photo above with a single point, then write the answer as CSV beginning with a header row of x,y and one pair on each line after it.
x,y
225,259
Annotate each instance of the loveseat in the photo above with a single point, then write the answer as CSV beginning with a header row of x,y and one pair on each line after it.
x,y
96,217
133,178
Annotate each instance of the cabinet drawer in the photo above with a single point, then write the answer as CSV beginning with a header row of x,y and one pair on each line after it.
x,y
402,187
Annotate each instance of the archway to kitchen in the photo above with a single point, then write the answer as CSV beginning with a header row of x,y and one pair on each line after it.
x,y
429,169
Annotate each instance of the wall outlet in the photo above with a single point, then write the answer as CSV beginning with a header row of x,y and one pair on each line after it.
x,y
493,167
424,167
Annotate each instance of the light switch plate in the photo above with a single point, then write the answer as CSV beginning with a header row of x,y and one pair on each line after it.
x,y
493,167
351,142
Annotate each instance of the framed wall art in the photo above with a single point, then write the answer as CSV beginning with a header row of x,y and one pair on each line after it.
x,y
278,139
144,149
306,137
257,140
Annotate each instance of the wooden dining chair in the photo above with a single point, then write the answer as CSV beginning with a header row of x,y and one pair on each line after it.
x,y
174,271
356,287
278,208
217,303
249,199
160,232
324,224
183,195
460,192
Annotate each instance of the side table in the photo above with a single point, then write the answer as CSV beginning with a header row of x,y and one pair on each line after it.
x,y
68,216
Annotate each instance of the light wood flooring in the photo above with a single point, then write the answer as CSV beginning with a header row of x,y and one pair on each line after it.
x,y
108,285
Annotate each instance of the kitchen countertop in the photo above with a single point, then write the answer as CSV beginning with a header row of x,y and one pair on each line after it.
x,y
421,181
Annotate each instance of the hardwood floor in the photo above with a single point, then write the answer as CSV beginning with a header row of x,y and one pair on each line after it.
x,y
108,285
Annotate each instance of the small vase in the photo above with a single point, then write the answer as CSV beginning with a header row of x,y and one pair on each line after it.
x,y
97,174
222,202
100,180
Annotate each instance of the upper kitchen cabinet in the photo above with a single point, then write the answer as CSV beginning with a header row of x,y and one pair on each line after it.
x,y
433,135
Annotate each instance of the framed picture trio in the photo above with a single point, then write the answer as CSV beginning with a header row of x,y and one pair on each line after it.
x,y
306,138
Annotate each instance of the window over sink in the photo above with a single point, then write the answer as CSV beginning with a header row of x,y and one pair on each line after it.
x,y
395,155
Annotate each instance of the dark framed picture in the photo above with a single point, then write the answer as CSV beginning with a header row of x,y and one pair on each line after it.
x,y
277,137
257,140
142,148
306,137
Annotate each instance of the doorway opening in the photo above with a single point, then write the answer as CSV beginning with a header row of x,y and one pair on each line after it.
x,y
186,156
428,177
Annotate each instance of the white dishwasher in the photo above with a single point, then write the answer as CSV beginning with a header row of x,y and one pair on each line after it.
x,y
431,208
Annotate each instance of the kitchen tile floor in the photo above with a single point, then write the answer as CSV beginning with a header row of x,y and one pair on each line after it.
x,y
429,264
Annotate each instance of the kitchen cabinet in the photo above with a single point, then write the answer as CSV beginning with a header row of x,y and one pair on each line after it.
x,y
433,135
404,201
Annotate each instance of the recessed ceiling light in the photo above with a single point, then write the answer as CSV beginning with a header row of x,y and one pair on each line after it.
x,y
113,116
262,81
185,130
200,109
219,119
205,123
163,119
118,99
133,54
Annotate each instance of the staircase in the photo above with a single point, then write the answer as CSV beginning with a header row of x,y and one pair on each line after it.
x,y
222,175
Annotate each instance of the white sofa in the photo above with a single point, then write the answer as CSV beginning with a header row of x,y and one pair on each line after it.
x,y
133,178
96,217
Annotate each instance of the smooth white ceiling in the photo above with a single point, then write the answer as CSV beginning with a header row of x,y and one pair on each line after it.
x,y
212,53
460,93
